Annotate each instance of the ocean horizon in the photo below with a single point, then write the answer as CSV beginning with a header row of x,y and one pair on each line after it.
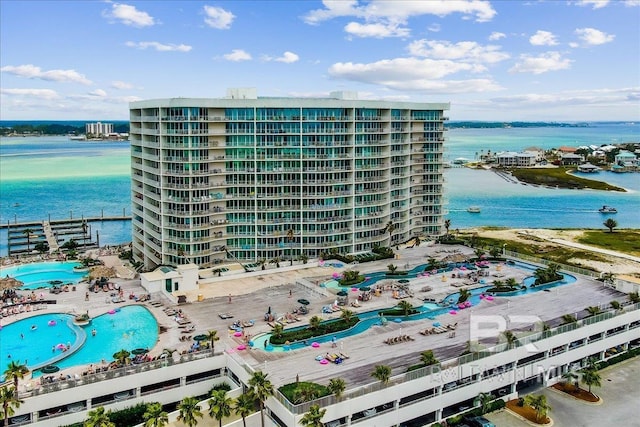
x,y
54,177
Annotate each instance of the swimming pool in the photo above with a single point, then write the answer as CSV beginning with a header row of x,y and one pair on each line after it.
x,y
39,274
425,311
128,328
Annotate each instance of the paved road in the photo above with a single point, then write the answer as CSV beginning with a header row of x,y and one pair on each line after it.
x,y
620,393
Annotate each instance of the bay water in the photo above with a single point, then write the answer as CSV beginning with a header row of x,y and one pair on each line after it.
x,y
52,177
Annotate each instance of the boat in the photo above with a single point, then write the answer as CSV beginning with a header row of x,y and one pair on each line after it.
x,y
607,209
473,209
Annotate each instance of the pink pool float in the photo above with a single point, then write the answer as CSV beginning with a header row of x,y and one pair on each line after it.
x,y
241,347
489,298
453,312
324,361
315,344
51,323
237,334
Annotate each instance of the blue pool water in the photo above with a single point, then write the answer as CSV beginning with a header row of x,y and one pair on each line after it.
x,y
39,274
425,311
129,328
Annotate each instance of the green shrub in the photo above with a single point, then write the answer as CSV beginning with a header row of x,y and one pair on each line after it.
x,y
289,390
221,386
129,416
325,328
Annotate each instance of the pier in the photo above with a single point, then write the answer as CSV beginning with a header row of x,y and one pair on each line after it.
x,y
26,237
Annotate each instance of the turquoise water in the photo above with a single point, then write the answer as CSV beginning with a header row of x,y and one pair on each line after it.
x,y
131,327
62,178
429,310
39,274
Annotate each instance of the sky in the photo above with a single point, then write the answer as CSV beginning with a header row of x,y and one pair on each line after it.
x,y
508,60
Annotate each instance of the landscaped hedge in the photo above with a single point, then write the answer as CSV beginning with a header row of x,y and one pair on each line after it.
x,y
397,312
289,390
619,358
325,328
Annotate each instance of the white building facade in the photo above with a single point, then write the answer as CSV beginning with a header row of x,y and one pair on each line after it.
x,y
98,129
258,178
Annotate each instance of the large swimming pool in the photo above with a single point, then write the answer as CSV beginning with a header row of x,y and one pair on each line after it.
x,y
425,311
40,274
128,328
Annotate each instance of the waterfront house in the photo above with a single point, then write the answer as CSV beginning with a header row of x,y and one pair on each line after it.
x,y
513,159
571,159
627,160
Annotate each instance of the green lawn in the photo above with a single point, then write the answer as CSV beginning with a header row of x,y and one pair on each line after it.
x,y
626,241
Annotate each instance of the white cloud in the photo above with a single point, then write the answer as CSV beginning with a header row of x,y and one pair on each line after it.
x,y
497,36
412,74
399,11
34,93
160,47
543,38
288,58
575,97
98,92
434,28
376,30
549,61
632,3
30,71
596,4
217,17
129,15
117,84
237,55
591,36
467,51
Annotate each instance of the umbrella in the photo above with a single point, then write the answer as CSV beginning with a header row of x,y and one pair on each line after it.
x,y
303,301
138,351
342,294
365,289
9,283
436,324
201,337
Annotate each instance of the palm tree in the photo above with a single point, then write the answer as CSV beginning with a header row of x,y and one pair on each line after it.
x,y
261,388
220,405
539,404
154,416
98,418
15,371
244,406
212,336
464,294
304,392
572,378
392,268
405,306
590,377
9,400
484,399
277,330
336,386
511,282
593,310
510,338
382,373
615,305
28,232
122,357
634,297
568,318
608,278
389,228
314,322
275,260
610,224
189,411
313,418
427,358
447,225
346,315
479,252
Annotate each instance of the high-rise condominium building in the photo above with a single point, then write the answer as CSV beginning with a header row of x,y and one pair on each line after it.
x,y
98,129
254,178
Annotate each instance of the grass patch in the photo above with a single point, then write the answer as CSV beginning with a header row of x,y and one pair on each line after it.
x,y
325,328
627,241
560,177
303,391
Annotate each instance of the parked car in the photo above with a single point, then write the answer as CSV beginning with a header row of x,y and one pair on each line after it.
x,y
479,422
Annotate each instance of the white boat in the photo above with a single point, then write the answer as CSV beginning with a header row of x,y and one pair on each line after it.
x,y
607,209
473,209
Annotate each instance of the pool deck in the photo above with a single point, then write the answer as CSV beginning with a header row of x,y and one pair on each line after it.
x,y
252,297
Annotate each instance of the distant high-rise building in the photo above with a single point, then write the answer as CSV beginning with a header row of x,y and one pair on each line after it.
x,y
98,129
254,178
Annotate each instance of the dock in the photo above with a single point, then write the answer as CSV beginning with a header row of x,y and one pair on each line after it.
x,y
26,237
